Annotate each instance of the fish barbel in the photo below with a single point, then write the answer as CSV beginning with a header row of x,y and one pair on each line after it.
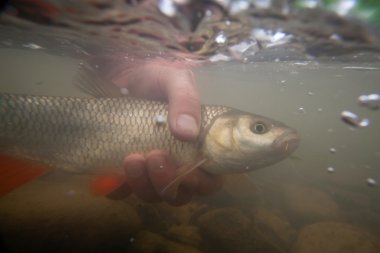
x,y
82,134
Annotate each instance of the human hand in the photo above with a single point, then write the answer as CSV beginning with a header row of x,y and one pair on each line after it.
x,y
145,174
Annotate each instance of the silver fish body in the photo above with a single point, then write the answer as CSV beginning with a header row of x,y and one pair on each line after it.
x,y
82,134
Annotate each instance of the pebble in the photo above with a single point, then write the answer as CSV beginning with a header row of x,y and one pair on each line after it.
x,y
167,7
221,38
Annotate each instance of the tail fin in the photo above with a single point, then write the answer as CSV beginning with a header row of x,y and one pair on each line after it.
x,y
15,173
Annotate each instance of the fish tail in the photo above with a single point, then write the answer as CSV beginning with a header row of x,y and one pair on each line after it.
x,y
15,173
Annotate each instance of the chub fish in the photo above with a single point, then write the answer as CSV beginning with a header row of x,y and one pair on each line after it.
x,y
83,134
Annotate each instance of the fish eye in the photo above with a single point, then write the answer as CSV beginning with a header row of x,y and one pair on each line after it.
x,y
258,128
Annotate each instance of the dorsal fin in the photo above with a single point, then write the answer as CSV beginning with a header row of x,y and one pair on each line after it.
x,y
90,82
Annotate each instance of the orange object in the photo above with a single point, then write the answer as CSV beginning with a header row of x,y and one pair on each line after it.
x,y
16,172
106,184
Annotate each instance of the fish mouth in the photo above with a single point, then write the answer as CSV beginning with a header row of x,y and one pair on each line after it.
x,y
287,142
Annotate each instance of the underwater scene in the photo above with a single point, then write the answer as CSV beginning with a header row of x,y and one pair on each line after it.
x,y
282,156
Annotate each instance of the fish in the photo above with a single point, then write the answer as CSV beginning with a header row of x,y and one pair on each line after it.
x,y
88,134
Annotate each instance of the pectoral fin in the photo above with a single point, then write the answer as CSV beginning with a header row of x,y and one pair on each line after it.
x,y
102,185
171,190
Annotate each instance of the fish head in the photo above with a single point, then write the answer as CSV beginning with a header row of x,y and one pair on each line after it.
x,y
240,142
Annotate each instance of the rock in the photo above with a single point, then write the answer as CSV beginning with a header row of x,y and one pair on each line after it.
x,y
364,218
273,228
61,216
308,205
183,215
148,242
334,237
152,216
227,229
185,234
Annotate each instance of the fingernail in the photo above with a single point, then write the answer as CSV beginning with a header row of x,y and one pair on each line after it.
x,y
187,125
134,170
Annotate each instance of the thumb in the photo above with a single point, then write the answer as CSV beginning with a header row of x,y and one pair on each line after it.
x,y
184,105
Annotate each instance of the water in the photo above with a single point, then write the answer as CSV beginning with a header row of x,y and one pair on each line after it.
x,y
325,198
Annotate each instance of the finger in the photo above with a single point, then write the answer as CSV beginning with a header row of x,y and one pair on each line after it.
x,y
163,170
142,80
160,169
138,178
184,104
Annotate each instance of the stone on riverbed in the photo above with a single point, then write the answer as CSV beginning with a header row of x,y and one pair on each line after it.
x,y
307,205
227,229
272,227
334,237
149,242
185,234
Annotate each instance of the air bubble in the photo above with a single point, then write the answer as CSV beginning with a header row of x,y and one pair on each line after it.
x,y
353,120
332,150
371,101
301,110
330,170
371,182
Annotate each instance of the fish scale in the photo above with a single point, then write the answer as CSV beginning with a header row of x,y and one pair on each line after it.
x,y
82,134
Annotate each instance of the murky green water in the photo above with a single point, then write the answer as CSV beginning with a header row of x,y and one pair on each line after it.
x,y
298,205
287,207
